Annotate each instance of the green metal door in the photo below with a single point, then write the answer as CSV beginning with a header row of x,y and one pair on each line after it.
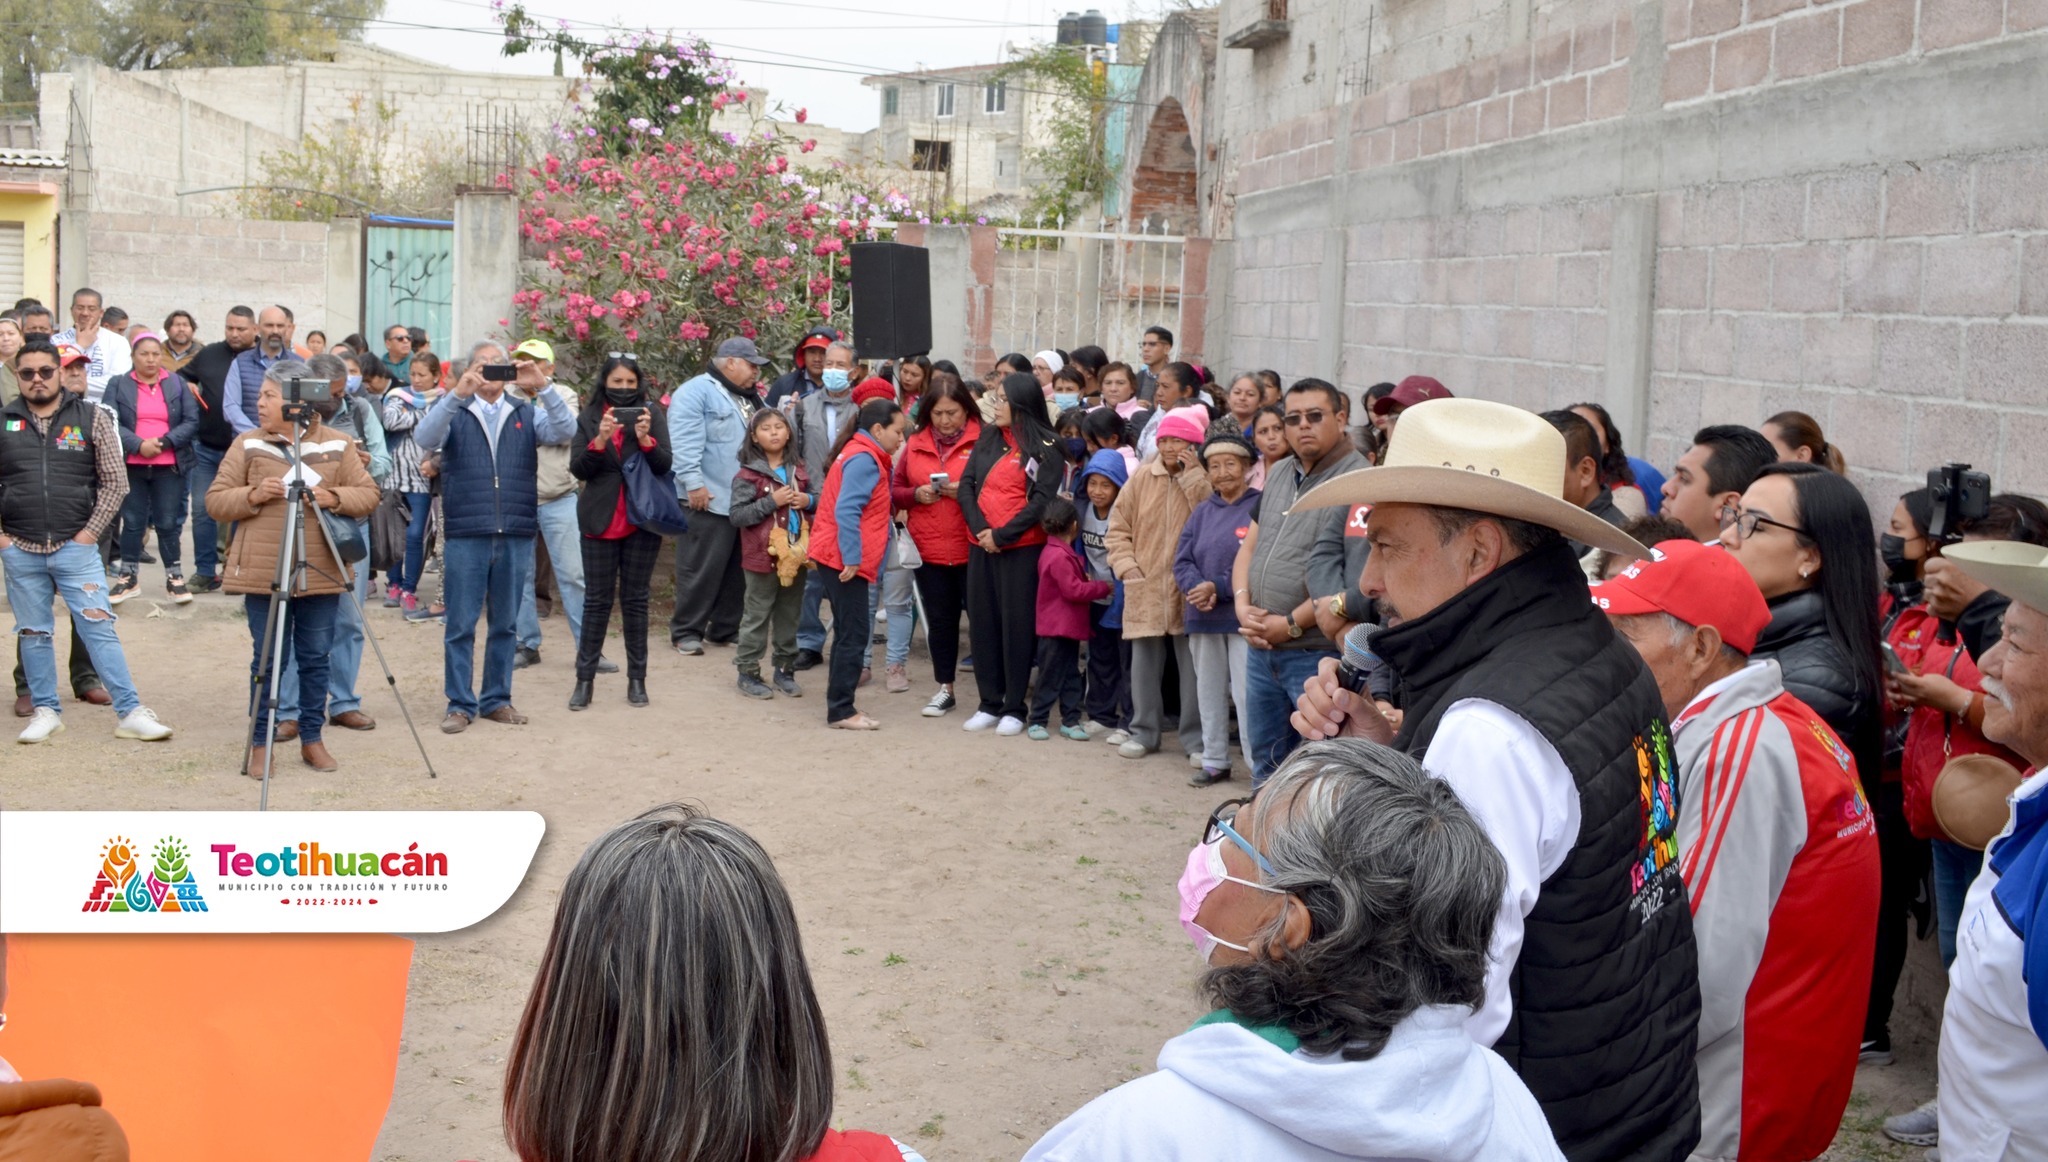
x,y
409,278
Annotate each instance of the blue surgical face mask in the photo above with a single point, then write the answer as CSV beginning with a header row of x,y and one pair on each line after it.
x,y
834,379
355,384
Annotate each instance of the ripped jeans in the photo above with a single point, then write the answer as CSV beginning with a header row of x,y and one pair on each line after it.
x,y
75,572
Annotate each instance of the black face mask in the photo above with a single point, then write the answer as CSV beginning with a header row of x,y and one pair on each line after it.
x,y
622,397
1901,569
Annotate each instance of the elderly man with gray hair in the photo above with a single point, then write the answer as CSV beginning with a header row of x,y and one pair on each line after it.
x,y
490,463
707,423
1344,912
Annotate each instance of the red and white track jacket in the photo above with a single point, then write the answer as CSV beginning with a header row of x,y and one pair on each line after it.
x,y
1779,853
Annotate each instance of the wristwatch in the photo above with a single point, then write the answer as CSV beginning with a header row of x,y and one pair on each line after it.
x,y
1337,607
1293,631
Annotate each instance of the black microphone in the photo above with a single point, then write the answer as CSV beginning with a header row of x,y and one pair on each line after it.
x,y
1355,667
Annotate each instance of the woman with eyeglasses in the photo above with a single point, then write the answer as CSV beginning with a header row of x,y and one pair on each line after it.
x,y
618,555
1804,535
1343,914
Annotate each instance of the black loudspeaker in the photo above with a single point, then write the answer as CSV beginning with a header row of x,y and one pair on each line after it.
x,y
892,300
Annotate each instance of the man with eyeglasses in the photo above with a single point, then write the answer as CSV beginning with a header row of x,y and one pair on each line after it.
x,y
398,352
1287,561
556,493
1155,351
85,681
62,479
1713,474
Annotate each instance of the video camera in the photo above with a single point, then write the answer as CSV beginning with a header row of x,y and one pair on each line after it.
x,y
301,392
1959,495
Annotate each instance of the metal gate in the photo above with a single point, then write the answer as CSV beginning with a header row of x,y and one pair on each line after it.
x,y
409,278
1067,288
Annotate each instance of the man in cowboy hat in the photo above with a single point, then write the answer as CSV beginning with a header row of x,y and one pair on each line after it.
x,y
1779,852
1517,692
1994,1027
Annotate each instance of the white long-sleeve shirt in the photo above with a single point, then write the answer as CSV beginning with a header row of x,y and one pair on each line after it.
x,y
1518,787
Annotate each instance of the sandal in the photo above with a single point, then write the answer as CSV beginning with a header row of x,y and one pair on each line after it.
x,y
857,722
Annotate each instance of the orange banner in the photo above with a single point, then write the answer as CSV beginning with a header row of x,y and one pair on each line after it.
x,y
218,1047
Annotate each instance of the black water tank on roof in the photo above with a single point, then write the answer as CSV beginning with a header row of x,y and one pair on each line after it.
x,y
1069,31
1094,28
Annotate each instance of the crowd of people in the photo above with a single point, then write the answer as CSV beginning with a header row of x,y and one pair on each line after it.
x,y
1591,808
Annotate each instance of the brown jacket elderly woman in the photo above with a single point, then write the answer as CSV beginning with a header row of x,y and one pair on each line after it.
x,y
250,492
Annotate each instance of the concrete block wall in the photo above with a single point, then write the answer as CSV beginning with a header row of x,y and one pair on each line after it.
x,y
1853,227
1507,304
141,144
151,264
1905,307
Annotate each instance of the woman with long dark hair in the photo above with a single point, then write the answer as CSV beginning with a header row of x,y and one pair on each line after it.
x,y
913,376
618,555
673,1018
1803,533
1014,470
849,540
926,486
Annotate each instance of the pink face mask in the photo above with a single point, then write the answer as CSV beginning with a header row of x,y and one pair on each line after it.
x,y
1205,870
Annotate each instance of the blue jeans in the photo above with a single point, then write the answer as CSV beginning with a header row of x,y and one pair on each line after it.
x,y
421,505
892,590
1273,680
34,580
308,631
1955,869
565,552
810,623
480,572
156,500
344,659
205,532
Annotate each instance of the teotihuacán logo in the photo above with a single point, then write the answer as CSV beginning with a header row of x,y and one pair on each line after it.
x,y
166,885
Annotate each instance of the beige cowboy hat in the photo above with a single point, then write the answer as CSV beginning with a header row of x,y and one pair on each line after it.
x,y
1970,797
2014,568
1476,454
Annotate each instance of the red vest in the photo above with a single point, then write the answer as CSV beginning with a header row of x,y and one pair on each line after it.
x,y
874,515
939,529
856,1146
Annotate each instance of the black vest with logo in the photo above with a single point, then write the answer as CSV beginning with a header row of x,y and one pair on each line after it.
x,y
50,479
1606,987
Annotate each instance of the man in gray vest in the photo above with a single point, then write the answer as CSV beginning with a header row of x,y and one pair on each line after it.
x,y
1515,690
62,479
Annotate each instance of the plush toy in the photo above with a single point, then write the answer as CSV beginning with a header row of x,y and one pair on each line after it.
x,y
790,558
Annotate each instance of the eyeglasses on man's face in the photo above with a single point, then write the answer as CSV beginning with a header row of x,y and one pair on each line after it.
x,y
36,373
1219,824
1309,418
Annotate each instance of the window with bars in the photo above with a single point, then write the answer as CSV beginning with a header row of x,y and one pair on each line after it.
x,y
931,156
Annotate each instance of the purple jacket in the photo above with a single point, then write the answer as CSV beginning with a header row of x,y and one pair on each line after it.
x,y
1208,547
1065,592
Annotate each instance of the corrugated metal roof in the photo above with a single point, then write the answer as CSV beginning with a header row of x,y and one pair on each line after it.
x,y
32,157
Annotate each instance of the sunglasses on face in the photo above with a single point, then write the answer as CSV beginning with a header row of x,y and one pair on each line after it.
x,y
1309,418
37,373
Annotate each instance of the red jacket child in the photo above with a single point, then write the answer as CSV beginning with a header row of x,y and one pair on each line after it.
x,y
1065,592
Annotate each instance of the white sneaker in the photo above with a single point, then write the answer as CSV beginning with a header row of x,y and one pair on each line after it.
x,y
1920,1127
1117,737
141,725
1133,750
979,720
1095,729
41,725
1009,726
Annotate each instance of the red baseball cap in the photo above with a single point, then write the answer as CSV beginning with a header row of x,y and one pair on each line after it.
x,y
1409,392
1695,583
68,355
811,341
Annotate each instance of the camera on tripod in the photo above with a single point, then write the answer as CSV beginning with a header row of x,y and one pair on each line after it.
x,y
1959,495
301,392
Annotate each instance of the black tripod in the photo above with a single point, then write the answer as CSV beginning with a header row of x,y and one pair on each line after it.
x,y
292,568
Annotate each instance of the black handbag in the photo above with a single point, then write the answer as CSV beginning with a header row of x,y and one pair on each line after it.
x,y
388,523
651,501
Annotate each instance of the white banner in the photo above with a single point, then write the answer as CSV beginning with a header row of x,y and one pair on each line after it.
x,y
248,871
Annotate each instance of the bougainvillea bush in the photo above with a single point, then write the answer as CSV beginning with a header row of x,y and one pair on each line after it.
x,y
663,236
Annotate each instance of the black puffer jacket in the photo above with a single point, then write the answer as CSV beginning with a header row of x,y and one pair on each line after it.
x,y
1817,673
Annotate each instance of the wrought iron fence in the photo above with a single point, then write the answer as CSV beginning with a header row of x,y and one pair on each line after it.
x,y
1067,288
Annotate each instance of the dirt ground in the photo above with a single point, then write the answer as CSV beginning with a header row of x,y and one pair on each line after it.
x,y
990,922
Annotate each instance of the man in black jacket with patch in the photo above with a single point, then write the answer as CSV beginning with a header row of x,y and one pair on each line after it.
x,y
1517,692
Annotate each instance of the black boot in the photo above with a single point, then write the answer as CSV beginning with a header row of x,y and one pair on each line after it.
x,y
636,691
579,698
